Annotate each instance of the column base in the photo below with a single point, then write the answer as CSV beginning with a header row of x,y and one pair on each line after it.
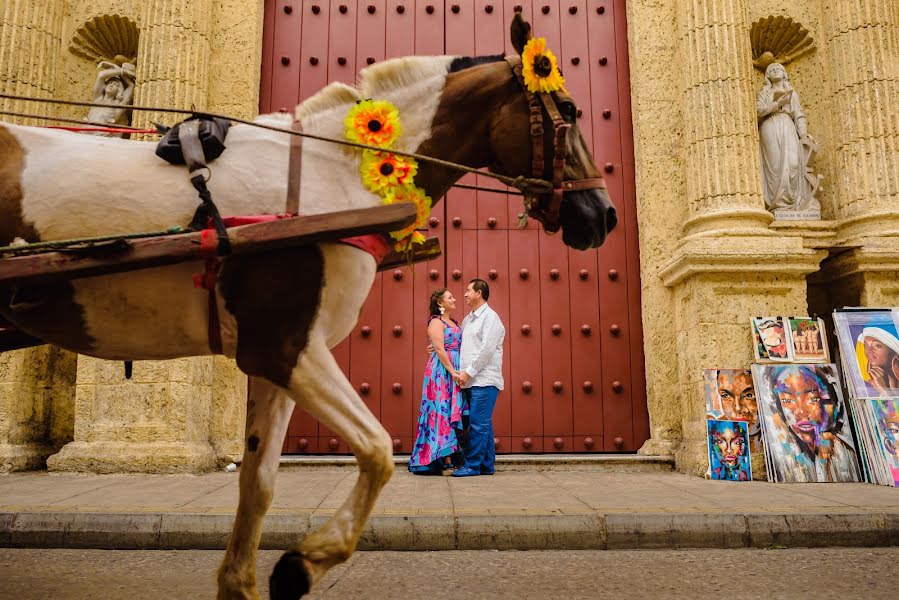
x,y
23,457
658,447
692,458
129,457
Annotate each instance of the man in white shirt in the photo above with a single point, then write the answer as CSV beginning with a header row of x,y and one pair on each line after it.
x,y
481,377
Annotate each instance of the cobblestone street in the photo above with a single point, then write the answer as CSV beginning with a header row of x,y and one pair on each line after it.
x,y
775,573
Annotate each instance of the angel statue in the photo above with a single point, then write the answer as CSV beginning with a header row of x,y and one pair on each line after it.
x,y
114,85
786,147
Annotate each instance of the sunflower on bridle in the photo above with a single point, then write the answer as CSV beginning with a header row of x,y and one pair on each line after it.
x,y
373,122
382,170
540,69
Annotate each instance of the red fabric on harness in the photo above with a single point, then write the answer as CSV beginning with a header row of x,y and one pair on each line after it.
x,y
373,243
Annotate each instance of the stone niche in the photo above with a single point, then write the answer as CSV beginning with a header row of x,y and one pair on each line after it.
x,y
786,148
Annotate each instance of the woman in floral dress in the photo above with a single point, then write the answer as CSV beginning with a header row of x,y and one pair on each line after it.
x,y
440,416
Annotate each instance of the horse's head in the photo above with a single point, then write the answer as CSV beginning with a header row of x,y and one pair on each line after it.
x,y
550,147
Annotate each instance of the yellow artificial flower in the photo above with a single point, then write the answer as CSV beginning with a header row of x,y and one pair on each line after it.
x,y
410,193
539,68
383,170
373,122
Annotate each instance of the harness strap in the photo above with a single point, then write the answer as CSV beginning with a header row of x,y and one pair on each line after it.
x,y
294,169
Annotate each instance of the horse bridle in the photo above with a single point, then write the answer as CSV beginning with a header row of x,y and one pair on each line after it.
x,y
548,214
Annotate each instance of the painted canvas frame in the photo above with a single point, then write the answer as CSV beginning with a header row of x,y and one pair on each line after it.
x,y
869,346
771,339
805,424
728,444
808,340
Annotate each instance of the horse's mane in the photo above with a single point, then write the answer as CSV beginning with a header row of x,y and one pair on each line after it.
x,y
331,96
396,73
381,78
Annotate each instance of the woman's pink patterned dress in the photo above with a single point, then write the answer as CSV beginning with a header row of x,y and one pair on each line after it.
x,y
442,407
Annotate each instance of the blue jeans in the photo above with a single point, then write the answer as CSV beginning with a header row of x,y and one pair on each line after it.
x,y
481,452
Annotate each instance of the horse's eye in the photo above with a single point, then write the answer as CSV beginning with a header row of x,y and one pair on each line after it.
x,y
568,110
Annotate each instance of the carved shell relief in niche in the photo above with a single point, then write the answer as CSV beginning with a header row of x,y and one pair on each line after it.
x,y
107,37
779,39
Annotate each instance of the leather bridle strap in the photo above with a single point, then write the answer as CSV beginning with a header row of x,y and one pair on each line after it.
x,y
536,104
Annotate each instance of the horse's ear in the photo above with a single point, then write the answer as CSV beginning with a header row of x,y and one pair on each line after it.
x,y
521,32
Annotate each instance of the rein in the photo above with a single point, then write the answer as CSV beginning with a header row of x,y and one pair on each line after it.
x,y
529,186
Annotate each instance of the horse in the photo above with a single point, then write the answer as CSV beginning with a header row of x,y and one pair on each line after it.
x,y
286,309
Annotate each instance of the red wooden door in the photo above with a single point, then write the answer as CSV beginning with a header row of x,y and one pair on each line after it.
x,y
574,362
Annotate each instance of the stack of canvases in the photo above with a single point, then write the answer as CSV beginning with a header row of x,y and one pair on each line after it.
x,y
804,422
869,349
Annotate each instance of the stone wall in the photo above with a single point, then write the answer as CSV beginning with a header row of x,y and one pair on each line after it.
x,y
185,415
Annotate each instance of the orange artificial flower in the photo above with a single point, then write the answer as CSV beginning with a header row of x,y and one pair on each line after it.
x,y
383,170
410,193
539,68
373,122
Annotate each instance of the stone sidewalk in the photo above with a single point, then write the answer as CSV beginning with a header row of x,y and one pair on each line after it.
x,y
522,510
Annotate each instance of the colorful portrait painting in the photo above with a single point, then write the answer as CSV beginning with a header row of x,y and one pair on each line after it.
x,y
730,396
886,416
805,424
772,341
869,343
808,340
729,450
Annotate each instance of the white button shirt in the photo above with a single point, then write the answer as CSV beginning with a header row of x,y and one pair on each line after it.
x,y
482,348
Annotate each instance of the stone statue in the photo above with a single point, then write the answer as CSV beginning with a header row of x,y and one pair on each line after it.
x,y
114,85
786,149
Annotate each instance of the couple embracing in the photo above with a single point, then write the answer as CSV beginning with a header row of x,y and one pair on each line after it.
x,y
462,379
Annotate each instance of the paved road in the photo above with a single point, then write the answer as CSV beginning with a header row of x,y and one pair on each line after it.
x,y
779,573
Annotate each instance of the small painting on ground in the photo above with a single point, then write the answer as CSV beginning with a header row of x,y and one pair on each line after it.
x,y
729,450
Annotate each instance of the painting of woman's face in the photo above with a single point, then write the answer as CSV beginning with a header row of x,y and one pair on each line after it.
x,y
805,405
737,395
877,353
730,446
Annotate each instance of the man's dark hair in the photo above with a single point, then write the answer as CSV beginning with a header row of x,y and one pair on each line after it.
x,y
479,285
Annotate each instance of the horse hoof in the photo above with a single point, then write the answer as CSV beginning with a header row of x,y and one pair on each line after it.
x,y
289,579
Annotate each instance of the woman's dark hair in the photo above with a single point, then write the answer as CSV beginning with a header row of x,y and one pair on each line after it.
x,y
479,285
434,308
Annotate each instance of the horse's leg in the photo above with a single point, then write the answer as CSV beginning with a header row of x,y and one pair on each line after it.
x,y
268,413
320,387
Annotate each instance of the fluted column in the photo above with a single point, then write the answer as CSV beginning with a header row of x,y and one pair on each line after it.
x,y
720,132
862,40
30,34
173,56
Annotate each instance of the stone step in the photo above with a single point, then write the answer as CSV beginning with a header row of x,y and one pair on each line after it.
x,y
608,463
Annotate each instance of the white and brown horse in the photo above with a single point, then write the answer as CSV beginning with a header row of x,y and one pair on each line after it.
x,y
288,308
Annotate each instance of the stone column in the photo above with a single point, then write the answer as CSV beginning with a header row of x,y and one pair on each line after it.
x,y
173,57
36,403
30,35
228,418
720,132
728,266
863,56
156,422
863,53
37,384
